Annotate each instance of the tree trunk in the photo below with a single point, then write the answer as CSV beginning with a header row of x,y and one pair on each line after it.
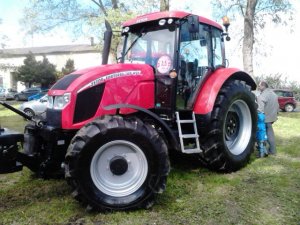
x,y
249,36
114,4
164,5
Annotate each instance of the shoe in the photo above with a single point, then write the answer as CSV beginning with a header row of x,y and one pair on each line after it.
x,y
262,155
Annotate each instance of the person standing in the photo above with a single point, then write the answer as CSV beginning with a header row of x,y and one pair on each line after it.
x,y
261,135
268,104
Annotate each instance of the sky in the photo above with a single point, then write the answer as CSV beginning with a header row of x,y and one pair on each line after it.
x,y
283,46
11,12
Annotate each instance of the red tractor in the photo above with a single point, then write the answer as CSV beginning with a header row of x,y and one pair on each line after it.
x,y
109,129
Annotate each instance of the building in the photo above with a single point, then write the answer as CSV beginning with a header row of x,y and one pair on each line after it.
x,y
83,56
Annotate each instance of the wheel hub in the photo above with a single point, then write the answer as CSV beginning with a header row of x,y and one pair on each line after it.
x,y
119,168
232,125
238,127
118,165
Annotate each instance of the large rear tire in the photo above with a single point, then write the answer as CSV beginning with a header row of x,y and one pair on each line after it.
x,y
116,163
229,137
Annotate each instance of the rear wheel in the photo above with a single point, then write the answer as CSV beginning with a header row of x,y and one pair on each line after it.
x,y
289,108
229,140
117,163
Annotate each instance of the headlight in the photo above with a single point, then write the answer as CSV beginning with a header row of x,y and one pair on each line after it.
x,y
50,102
59,102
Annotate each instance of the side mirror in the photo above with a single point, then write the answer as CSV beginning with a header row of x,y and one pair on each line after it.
x,y
193,24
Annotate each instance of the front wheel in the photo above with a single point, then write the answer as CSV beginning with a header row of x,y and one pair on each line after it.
x,y
29,112
229,138
117,163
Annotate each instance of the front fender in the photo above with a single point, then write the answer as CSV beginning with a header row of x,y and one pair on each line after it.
x,y
167,130
209,90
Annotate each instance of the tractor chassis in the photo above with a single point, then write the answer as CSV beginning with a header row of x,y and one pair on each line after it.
x,y
44,149
9,151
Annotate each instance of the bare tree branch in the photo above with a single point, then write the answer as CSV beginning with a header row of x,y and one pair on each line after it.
x,y
101,6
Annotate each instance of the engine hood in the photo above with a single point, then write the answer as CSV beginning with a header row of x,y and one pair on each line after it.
x,y
81,80
78,98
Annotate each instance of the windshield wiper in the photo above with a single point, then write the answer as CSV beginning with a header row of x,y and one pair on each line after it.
x,y
133,43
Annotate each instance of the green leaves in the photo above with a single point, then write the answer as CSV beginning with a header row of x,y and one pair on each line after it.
x,y
69,67
32,72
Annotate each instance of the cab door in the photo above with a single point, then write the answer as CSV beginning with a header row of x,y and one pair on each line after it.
x,y
195,63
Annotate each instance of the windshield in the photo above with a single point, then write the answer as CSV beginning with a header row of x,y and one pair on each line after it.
x,y
155,47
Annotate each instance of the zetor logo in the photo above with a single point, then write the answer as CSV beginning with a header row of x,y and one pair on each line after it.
x,y
110,77
140,20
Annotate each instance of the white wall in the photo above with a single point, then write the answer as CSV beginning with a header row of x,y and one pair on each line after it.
x,y
81,60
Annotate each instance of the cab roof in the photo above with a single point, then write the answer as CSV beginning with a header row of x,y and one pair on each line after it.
x,y
167,14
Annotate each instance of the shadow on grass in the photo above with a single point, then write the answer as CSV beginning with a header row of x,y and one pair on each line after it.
x,y
183,161
27,190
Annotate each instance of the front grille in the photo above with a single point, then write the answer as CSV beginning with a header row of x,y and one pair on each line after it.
x,y
87,103
53,117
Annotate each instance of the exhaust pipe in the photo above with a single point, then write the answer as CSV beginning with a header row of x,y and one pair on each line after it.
x,y
107,43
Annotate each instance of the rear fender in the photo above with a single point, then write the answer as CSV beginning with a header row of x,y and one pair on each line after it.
x,y
207,95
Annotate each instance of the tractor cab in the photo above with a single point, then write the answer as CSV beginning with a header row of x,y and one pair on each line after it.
x,y
182,50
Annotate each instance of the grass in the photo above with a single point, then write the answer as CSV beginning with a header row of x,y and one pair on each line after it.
x,y
266,191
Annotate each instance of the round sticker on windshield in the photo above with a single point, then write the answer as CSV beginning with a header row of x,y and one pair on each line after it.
x,y
164,64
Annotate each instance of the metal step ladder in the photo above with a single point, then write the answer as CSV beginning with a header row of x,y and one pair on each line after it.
x,y
186,148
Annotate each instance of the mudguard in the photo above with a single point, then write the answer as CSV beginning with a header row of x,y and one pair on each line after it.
x,y
207,95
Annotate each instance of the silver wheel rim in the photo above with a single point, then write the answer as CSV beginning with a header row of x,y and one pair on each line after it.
x,y
127,181
238,127
289,108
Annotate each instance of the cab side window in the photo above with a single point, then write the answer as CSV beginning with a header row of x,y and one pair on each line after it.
x,y
218,48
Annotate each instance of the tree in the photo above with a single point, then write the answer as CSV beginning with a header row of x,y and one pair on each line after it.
x,y
69,67
33,72
83,17
279,81
255,14
275,81
164,5
46,73
3,41
42,16
3,38
27,73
